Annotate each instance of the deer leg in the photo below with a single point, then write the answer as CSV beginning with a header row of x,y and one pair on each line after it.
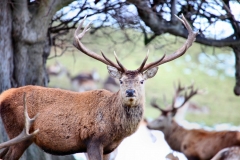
x,y
15,152
106,156
94,151
4,152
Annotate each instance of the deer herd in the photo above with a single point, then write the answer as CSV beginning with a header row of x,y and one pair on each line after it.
x,y
95,122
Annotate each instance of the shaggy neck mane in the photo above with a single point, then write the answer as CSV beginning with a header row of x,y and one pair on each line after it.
x,y
133,111
130,117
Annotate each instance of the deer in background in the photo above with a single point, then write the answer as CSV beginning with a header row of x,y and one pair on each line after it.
x,y
188,106
230,153
68,122
57,70
110,84
195,144
85,81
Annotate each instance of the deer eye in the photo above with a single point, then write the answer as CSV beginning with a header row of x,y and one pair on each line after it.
x,y
121,82
141,81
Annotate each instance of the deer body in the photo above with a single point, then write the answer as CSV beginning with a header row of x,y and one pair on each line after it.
x,y
195,144
66,122
98,120
198,144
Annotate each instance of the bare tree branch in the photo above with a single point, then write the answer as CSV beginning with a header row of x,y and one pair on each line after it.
x,y
160,25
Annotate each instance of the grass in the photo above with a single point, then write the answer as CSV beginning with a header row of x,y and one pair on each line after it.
x,y
222,103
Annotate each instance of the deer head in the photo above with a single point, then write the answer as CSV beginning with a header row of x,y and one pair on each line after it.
x,y
164,121
132,81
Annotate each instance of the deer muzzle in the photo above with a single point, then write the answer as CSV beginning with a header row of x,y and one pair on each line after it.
x,y
130,93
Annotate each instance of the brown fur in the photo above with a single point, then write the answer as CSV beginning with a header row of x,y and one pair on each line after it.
x,y
132,74
198,144
69,122
93,121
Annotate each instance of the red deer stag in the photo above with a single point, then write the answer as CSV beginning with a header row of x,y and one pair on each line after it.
x,y
195,144
95,121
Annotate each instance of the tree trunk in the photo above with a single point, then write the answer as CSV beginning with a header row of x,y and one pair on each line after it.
x,y
6,51
6,54
29,61
29,35
24,49
236,50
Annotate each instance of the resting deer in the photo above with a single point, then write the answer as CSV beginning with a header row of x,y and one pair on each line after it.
x,y
95,121
57,70
85,81
110,84
230,153
195,144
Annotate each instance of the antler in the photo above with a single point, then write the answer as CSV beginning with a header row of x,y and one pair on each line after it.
x,y
191,38
78,44
187,96
178,90
155,105
24,135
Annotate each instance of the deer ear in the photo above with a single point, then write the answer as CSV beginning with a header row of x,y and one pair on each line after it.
x,y
150,73
114,73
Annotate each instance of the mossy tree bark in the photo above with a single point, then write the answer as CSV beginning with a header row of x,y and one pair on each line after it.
x,y
24,48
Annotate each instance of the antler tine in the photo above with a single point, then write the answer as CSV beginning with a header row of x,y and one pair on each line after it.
x,y
78,44
188,96
153,64
143,63
178,89
24,135
191,94
155,105
191,38
112,63
123,68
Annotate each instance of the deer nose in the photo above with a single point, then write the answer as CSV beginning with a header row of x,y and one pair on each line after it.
x,y
130,92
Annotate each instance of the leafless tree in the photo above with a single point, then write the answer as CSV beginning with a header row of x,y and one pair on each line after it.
x,y
157,17
28,28
211,12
